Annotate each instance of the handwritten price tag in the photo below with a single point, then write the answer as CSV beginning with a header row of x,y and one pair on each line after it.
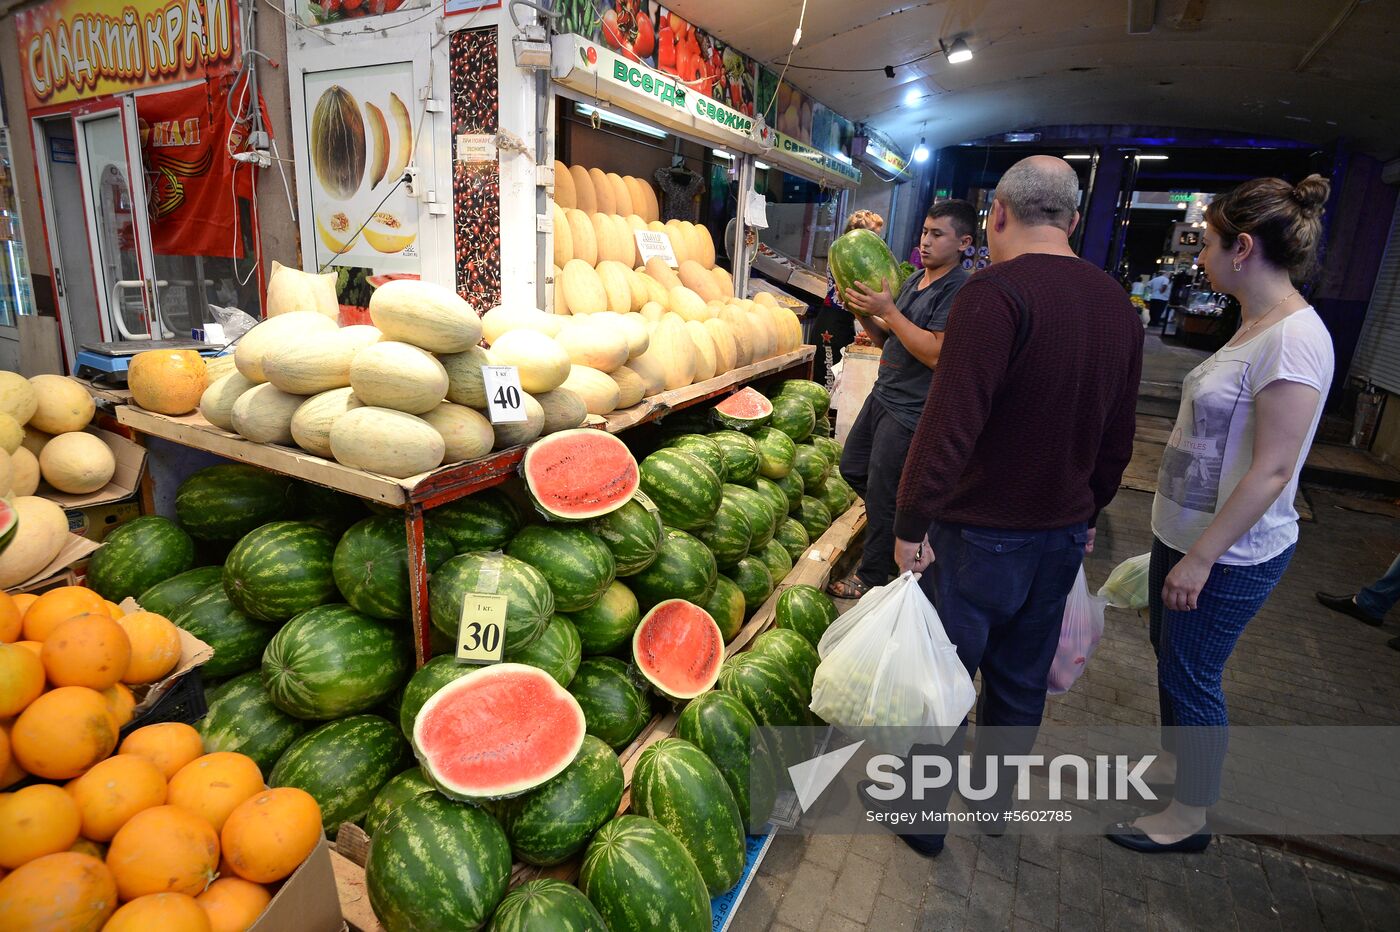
x,y
481,632
651,243
505,402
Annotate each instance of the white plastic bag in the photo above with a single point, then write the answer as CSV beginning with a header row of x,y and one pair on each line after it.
x,y
887,663
1079,636
1126,586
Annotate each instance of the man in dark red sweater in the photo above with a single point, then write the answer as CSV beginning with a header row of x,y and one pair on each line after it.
x,y
1027,429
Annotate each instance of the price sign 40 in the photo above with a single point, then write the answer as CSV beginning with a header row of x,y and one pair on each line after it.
x,y
505,402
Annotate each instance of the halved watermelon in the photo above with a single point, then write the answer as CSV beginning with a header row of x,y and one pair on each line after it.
x,y
744,410
502,731
679,649
579,474
9,522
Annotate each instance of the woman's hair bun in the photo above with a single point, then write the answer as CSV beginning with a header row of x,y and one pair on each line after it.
x,y
1311,194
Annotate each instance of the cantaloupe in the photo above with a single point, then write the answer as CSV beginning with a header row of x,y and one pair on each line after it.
x,y
465,385
583,241
26,479
706,243
563,410
543,364
638,336
600,346
655,290
216,404
583,290
565,194
561,298
694,246
699,280
11,434
761,331
603,191
792,328
663,274
563,238
680,243
77,463
706,359
312,421
630,387
725,282
599,392
264,413
61,405
656,226
649,369
763,297
216,367
386,441
503,318
672,346
627,243
319,365
167,381
291,291
42,532
641,206
652,312
622,197
613,275
613,239
585,199
399,376
511,435
739,326
293,327
17,397
636,281
689,305
726,354
426,315
466,434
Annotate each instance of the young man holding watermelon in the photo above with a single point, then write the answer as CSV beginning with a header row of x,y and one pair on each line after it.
x,y
907,324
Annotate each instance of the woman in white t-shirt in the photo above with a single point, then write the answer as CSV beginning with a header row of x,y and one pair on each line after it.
x,y
1223,517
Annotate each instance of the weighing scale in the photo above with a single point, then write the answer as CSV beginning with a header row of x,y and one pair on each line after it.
x,y
107,363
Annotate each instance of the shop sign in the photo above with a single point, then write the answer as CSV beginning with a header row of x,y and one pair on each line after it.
x,y
885,157
789,146
79,49
665,89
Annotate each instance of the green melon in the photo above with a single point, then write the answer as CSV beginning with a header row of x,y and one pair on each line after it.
x,y
165,597
279,570
400,789
719,725
684,569
775,495
703,449
547,905
137,555
754,580
329,510
642,880
607,624
226,501
675,784
343,764
774,697
578,566
794,416
775,452
763,521
370,564
632,533
741,456
728,534
614,708
556,652
242,718
775,557
811,464
553,823
795,652
238,640
793,536
685,490
484,520
817,396
793,487
835,494
806,610
830,448
815,517
726,606
530,600
332,661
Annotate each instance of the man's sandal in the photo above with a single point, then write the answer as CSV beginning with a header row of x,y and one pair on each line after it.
x,y
849,588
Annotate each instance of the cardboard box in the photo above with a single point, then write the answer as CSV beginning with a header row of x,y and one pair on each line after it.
x,y
97,521
307,901
131,461
74,549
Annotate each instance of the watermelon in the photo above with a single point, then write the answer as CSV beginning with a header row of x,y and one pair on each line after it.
x,y
137,555
165,597
793,415
331,661
775,556
243,718
745,410
806,610
484,520
613,706
436,864
685,490
531,602
370,564
574,475
793,487
505,729
556,652
719,725
225,502
726,607
426,681
703,449
578,566
754,580
678,648
9,523
793,536
632,533
607,624
775,452
400,789
815,516
728,534
343,764
775,495
762,519
822,429
553,823
642,880
329,510
810,463
817,395
678,786
279,570
862,256
741,456
547,905
684,569
835,494
238,640
774,697
830,448
794,651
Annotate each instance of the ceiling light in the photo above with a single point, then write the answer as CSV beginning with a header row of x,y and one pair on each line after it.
x,y
1151,158
921,151
957,53
762,166
842,157
1077,156
912,96
720,154
615,120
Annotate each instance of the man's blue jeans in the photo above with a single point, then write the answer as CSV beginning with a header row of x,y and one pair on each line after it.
x,y
1381,596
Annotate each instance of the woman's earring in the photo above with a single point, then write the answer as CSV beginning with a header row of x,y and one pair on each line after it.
x,y
1237,265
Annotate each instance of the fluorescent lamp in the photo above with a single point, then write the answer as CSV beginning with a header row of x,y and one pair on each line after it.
x,y
622,121
957,53
1077,156
721,154
843,157
762,166
921,151
913,96
1151,158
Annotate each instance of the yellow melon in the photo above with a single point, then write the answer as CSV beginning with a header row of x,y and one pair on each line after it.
x,y
565,195
62,405
77,463
17,397
167,381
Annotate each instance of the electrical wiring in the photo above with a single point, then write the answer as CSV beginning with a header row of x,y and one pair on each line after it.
x,y
796,39
903,64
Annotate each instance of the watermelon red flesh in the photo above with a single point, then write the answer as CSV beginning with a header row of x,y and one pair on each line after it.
x,y
579,474
679,649
9,523
504,730
744,410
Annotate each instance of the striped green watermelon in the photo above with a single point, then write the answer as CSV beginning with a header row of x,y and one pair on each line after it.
x,y
436,864
741,456
835,494
719,725
329,510
343,764
678,648
614,709
793,536
746,410
531,602
794,416
370,564
816,395
830,448
400,789
775,495
775,452
678,786
578,566
726,607
280,569
793,650
577,474
684,569
165,597
815,516
728,534
331,661
823,428
547,905
793,487
426,680
773,696
238,640
484,520
607,624
137,555
632,533
553,823
243,718
685,490
806,610
225,502
642,880
763,521
754,580
703,449
775,557
556,652
810,463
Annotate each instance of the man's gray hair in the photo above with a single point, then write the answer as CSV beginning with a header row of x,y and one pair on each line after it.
x,y
1040,191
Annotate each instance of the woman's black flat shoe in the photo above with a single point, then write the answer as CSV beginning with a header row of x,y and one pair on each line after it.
x,y
1127,835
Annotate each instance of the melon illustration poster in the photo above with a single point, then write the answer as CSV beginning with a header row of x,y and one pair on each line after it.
x,y
359,138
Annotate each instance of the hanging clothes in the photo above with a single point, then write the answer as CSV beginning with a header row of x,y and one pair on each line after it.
x,y
679,185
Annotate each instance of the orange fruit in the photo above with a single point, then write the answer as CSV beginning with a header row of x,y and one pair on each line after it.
x,y
113,791
233,904
32,646
57,606
5,756
214,785
58,891
63,733
12,772
87,650
35,821
155,646
22,602
164,849
121,702
21,679
11,619
268,836
168,912
168,745
113,609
